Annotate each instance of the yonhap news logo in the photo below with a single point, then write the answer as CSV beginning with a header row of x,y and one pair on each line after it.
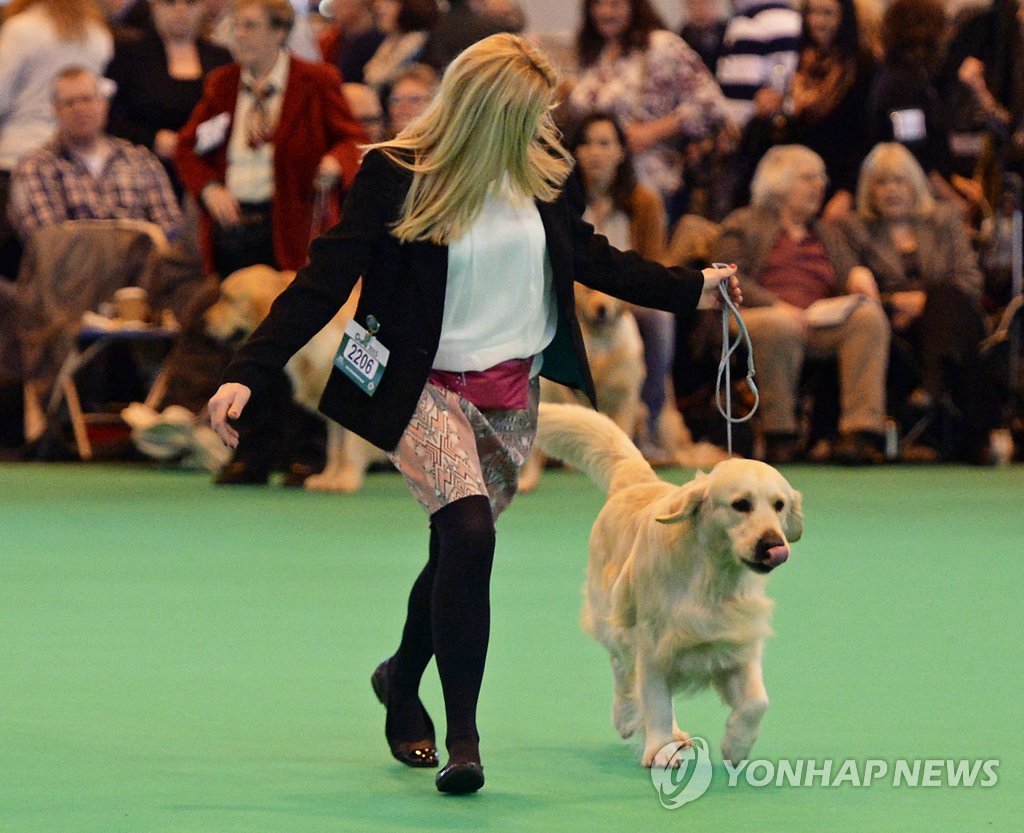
x,y
688,775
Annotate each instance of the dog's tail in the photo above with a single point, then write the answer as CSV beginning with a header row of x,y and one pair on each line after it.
x,y
591,442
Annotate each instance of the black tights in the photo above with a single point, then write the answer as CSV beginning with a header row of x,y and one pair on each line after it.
x,y
449,617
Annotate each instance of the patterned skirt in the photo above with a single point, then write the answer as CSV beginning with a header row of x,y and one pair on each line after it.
x,y
451,449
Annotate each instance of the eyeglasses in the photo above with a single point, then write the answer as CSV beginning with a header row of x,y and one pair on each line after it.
x,y
408,99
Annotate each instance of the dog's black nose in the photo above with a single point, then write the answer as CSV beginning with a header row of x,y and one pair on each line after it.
x,y
771,552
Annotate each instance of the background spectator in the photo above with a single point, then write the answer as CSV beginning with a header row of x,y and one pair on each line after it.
x,y
458,27
656,86
828,99
631,216
412,91
788,259
920,253
907,103
38,39
159,75
270,133
366,109
758,57
703,29
406,25
351,38
85,174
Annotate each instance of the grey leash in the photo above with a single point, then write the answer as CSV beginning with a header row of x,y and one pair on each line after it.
x,y
725,363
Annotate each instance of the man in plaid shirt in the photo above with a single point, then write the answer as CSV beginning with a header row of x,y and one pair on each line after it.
x,y
85,174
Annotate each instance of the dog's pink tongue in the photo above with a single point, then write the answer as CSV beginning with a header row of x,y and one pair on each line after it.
x,y
777,555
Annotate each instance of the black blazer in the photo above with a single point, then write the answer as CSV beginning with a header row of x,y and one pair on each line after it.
x,y
404,289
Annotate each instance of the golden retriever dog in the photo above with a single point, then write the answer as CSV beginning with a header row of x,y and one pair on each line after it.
x,y
675,587
245,299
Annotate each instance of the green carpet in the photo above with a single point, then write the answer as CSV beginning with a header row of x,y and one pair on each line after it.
x,y
176,657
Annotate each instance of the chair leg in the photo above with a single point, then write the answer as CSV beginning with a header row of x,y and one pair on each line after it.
x,y
33,415
77,418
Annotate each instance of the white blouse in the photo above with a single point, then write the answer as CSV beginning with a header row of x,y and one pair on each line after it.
x,y
498,303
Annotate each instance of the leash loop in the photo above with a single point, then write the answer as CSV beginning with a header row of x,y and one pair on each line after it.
x,y
725,363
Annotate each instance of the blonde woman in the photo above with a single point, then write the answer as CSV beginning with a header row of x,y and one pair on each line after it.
x,y
920,252
38,39
468,245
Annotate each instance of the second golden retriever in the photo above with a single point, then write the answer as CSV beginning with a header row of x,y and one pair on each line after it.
x,y
676,579
244,301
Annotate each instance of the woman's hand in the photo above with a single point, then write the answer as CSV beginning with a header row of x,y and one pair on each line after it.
x,y
860,281
906,308
221,204
165,144
228,403
713,276
328,174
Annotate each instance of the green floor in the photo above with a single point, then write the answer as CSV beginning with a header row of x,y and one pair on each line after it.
x,y
175,657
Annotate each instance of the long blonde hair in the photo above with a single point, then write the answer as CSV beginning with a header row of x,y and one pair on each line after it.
x,y
491,117
70,18
892,158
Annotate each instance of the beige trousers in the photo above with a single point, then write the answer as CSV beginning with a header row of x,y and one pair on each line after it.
x,y
861,344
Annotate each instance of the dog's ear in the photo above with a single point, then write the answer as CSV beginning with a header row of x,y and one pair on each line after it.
x,y
793,520
685,502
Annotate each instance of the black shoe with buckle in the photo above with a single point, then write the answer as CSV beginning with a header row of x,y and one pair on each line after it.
x,y
240,473
416,753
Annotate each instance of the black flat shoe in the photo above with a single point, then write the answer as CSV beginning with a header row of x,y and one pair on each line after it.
x,y
416,753
460,778
240,473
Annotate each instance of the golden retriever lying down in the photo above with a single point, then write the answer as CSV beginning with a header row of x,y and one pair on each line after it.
x,y
245,299
675,580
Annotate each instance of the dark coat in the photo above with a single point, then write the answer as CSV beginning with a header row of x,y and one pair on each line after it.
x,y
404,289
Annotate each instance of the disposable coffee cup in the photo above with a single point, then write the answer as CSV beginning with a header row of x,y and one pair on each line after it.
x,y
131,304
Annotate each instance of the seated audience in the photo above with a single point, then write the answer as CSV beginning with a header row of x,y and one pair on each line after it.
x,y
927,272
828,98
366,109
270,133
457,27
406,26
647,77
703,29
788,259
39,38
159,75
351,38
412,91
632,217
758,57
908,101
85,174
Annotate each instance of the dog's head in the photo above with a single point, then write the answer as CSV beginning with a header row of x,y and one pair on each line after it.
x,y
595,310
743,509
244,301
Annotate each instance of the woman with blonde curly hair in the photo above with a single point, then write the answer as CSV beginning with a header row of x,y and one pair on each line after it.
x,y
468,241
38,39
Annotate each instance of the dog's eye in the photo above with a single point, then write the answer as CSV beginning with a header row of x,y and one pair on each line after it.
x,y
742,505
779,505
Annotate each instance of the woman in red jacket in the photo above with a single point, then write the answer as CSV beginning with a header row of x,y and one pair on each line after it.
x,y
269,132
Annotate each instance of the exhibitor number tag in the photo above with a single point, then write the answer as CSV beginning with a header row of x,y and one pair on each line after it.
x,y
362,358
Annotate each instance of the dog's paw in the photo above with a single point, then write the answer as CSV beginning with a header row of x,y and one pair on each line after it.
x,y
625,717
681,736
735,752
665,755
344,482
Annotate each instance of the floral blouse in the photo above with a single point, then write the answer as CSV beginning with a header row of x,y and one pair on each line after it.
x,y
666,78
